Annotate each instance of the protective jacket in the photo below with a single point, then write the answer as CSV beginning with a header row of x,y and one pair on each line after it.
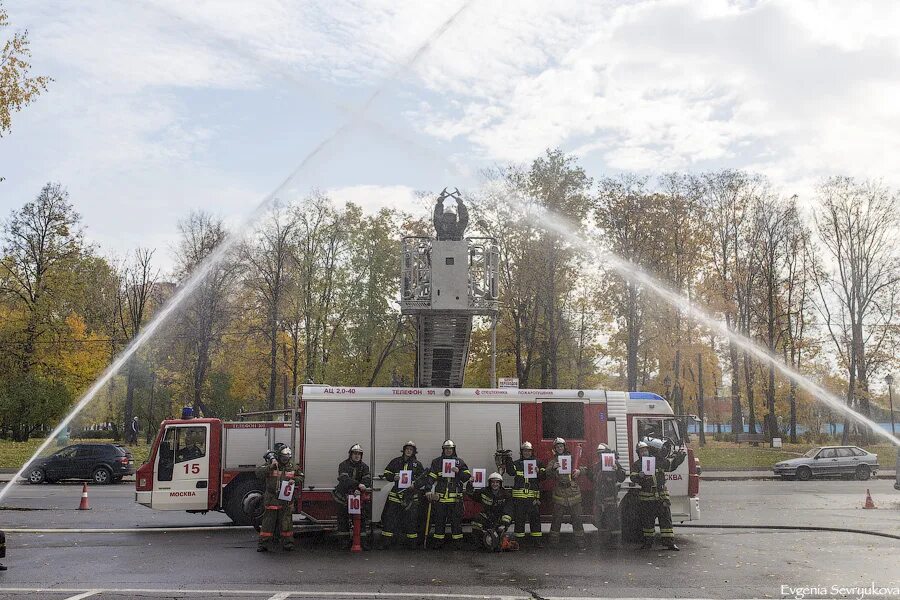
x,y
522,487
653,487
401,463
449,489
606,483
566,490
350,476
274,475
495,507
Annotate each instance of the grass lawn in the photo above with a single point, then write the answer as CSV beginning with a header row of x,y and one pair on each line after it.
x,y
14,454
728,455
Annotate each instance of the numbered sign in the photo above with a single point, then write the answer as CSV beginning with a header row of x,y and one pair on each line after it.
x,y
354,505
405,480
287,490
565,464
447,469
479,477
608,462
530,467
648,465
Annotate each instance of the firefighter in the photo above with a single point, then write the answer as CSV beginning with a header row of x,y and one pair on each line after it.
x,y
606,495
496,506
278,471
353,478
654,497
401,509
566,496
446,496
526,494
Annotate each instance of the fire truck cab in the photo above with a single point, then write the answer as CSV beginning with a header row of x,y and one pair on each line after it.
x,y
200,465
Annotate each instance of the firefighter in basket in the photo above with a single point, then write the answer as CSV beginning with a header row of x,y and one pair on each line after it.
x,y
606,475
353,478
566,493
654,496
282,483
526,492
489,527
400,516
446,495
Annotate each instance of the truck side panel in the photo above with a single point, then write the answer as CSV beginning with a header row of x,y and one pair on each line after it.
x,y
330,428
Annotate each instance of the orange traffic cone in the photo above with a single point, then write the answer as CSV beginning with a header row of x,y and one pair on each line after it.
x,y
869,503
84,499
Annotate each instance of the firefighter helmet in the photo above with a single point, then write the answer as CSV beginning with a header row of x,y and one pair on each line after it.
x,y
526,446
559,440
448,444
269,456
284,453
495,477
643,444
355,448
409,443
601,447
278,446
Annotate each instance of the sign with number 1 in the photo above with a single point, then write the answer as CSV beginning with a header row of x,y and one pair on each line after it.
x,y
648,465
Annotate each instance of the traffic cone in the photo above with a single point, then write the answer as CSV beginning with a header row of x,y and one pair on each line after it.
x,y
869,503
84,499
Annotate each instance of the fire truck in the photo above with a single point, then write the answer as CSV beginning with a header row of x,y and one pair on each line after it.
x,y
200,465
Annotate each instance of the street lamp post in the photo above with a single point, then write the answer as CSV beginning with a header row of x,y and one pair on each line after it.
x,y
889,380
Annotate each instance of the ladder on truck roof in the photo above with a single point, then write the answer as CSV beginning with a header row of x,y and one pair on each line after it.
x,y
445,283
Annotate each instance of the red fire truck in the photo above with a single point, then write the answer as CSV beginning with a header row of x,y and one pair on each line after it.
x,y
200,465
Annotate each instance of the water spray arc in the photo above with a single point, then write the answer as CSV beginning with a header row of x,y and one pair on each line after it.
x,y
219,254
628,270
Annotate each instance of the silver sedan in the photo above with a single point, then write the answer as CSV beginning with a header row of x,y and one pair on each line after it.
x,y
830,461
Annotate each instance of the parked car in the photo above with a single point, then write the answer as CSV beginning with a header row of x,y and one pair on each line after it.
x,y
102,463
830,461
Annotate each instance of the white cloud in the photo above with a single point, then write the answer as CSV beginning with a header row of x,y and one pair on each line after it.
x,y
372,198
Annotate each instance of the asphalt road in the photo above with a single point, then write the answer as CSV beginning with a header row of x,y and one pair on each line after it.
x,y
713,563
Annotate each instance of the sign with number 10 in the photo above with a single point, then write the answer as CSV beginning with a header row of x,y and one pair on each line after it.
x,y
354,505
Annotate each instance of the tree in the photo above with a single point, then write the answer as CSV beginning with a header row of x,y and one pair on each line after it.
x,y
206,316
41,244
135,291
17,88
267,257
857,227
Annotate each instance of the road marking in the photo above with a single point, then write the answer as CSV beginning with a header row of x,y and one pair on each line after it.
x,y
132,529
280,596
269,593
86,594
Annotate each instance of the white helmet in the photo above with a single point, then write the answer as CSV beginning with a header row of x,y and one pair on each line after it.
x,y
559,440
526,446
285,453
410,443
355,448
448,444
643,444
601,447
495,477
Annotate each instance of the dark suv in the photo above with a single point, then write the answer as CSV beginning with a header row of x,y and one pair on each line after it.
x,y
103,463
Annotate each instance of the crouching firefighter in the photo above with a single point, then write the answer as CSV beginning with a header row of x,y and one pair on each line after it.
x,y
566,495
526,493
489,527
446,496
353,478
282,482
607,475
400,516
654,496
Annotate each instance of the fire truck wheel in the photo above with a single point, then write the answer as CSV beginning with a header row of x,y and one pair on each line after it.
x,y
631,519
244,501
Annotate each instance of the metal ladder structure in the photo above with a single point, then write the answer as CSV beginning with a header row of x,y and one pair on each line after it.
x,y
444,285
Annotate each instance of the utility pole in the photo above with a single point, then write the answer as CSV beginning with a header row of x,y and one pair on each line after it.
x,y
889,379
700,405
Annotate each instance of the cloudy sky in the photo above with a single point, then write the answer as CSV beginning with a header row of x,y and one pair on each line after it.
x,y
162,106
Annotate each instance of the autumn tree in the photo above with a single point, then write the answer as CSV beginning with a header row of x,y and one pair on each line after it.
x,y
18,88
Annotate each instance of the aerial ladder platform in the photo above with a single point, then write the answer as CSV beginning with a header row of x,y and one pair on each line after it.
x,y
446,281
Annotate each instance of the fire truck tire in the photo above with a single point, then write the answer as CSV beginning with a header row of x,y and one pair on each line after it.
x,y
244,501
631,519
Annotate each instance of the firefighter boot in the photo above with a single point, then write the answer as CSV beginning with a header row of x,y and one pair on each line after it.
x,y
262,546
647,545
